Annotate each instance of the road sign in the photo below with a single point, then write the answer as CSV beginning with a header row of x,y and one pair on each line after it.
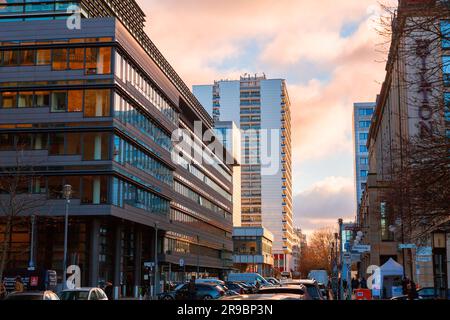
x,y
347,258
149,264
356,257
181,262
423,259
361,248
407,246
424,251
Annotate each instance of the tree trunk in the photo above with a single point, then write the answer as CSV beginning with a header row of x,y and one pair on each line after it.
x,y
6,245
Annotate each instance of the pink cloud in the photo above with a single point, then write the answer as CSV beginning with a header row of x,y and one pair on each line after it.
x,y
197,35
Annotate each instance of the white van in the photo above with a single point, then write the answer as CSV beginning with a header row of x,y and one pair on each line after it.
x,y
250,278
321,276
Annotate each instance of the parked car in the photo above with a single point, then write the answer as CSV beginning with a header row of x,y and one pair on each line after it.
x,y
430,293
299,290
250,288
311,286
248,278
324,291
203,291
274,281
90,294
238,287
264,297
32,296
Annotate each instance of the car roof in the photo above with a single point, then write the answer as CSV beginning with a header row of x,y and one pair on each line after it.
x,y
29,293
270,296
79,289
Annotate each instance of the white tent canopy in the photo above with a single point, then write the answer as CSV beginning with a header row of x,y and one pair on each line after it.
x,y
391,268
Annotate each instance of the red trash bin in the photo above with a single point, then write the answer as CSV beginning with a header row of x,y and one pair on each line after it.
x,y
363,294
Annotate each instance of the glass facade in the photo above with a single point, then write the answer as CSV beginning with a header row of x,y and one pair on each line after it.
x,y
125,193
128,154
87,115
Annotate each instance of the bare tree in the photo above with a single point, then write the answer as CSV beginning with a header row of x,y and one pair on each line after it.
x,y
316,255
17,202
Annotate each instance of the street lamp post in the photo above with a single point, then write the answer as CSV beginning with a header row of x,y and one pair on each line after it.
x,y
155,278
67,192
341,260
31,266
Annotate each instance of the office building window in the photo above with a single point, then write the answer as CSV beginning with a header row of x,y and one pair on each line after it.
x,y
364,161
96,146
59,59
56,144
364,173
59,101
27,57
385,221
364,124
6,142
363,136
9,99
366,112
76,58
98,60
445,30
55,186
26,99
447,107
43,57
73,144
75,103
95,190
10,58
97,103
363,149
42,99
446,69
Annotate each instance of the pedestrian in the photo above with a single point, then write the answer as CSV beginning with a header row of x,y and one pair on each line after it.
x,y
2,291
192,290
109,290
405,285
355,284
412,294
363,283
18,285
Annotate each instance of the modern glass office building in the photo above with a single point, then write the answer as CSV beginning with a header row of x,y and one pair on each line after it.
x,y
95,107
261,109
362,119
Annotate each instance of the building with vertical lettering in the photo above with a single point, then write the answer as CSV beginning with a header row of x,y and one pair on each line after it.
x,y
411,108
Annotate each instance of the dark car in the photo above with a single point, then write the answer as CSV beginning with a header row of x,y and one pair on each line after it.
x,y
32,296
238,287
311,285
300,290
430,293
203,291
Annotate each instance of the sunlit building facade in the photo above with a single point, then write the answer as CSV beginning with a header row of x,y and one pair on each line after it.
x,y
261,109
362,119
95,107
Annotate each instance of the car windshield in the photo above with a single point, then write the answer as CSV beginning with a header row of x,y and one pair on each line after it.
x,y
313,292
178,287
75,295
27,297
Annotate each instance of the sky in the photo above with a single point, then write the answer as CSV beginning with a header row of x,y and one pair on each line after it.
x,y
329,53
